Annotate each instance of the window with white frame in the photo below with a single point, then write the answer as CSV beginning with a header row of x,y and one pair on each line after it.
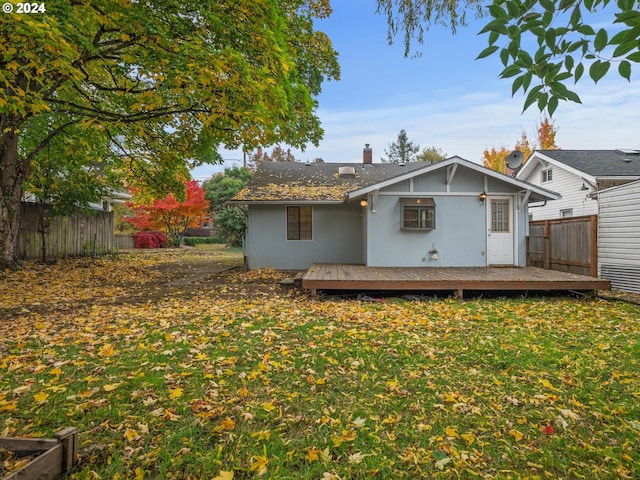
x,y
418,214
566,213
299,223
546,175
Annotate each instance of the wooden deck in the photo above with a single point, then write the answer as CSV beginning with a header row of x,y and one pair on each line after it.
x,y
331,276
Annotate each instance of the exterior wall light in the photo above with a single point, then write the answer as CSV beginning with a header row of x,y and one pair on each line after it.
x,y
482,197
363,203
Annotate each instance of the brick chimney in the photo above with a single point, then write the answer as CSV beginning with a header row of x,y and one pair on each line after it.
x,y
367,155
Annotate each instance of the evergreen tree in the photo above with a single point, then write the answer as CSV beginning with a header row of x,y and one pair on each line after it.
x,y
402,150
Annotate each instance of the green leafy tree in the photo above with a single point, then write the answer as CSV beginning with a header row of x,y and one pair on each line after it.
x,y
230,220
63,180
543,44
431,155
402,150
157,84
222,187
231,223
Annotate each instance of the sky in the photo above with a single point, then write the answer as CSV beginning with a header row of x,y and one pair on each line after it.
x,y
444,98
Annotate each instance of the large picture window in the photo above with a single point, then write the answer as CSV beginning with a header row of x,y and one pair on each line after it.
x,y
299,223
418,213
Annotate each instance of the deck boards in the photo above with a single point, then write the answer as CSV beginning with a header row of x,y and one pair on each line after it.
x,y
331,276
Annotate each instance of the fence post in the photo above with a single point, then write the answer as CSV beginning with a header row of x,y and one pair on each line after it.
x,y
69,439
547,245
594,246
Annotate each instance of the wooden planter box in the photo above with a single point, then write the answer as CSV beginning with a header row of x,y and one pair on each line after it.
x,y
54,455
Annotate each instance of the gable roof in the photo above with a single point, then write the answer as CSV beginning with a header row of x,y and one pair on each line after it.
x,y
589,163
321,182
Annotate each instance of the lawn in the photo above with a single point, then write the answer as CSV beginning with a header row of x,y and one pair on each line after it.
x,y
169,373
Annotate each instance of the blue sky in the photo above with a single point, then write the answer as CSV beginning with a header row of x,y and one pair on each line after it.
x,y
444,98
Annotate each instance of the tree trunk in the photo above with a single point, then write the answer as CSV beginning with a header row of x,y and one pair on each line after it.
x,y
13,173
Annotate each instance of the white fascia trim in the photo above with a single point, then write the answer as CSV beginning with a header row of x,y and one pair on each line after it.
x,y
541,157
465,163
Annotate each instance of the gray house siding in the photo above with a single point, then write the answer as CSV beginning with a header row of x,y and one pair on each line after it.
x,y
336,237
619,236
459,235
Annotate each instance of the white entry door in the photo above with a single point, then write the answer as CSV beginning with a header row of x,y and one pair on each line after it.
x,y
500,234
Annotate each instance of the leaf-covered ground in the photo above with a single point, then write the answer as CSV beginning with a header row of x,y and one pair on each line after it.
x,y
172,368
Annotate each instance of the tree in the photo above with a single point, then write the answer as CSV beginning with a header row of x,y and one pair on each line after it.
x,y
496,157
547,135
170,215
431,155
402,150
230,220
158,83
278,154
542,44
222,187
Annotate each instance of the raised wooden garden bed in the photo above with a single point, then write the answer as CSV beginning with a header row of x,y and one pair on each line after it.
x,y
51,456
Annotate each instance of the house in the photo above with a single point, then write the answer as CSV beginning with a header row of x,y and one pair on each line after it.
x,y
454,213
575,174
619,236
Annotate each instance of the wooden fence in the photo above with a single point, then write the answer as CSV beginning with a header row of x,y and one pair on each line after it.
x,y
564,244
66,236
123,242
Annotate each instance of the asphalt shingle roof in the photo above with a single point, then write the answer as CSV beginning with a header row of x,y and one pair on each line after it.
x,y
286,181
598,163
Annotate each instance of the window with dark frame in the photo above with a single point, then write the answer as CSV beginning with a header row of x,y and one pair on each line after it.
x,y
299,223
418,214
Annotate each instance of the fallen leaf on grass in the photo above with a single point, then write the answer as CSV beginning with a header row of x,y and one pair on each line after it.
x,y
41,397
175,393
566,413
548,430
312,454
356,458
440,464
259,464
224,475
517,435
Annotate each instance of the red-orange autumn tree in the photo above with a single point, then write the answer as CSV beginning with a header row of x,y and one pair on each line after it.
x,y
494,158
170,215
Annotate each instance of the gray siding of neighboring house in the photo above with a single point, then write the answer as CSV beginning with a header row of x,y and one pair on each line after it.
x,y
337,237
619,236
567,184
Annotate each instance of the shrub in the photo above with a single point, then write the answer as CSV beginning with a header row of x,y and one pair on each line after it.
x,y
151,239
193,241
231,223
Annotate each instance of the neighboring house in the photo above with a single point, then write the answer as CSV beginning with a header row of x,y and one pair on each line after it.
x,y
575,174
113,197
619,236
454,213
105,204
